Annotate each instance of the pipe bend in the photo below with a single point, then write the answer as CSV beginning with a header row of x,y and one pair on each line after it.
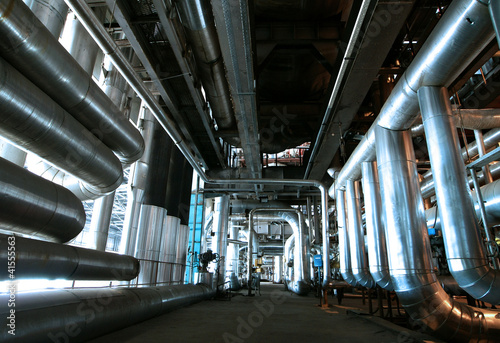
x,y
481,282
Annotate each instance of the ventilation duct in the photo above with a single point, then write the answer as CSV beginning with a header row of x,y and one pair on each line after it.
x,y
32,50
45,260
464,28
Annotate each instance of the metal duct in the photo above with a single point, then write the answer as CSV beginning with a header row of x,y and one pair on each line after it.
x,y
495,16
233,259
462,30
33,206
359,260
181,245
101,219
149,233
40,57
410,258
33,121
51,13
344,246
46,260
46,316
167,253
219,241
295,219
465,252
375,235
198,19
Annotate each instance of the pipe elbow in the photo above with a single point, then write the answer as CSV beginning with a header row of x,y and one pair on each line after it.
x,y
383,279
364,279
300,287
481,282
349,277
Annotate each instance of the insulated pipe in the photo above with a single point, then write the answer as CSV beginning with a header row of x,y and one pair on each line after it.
x,y
32,120
295,218
478,134
233,257
375,235
465,252
33,206
149,234
410,257
199,22
46,260
288,251
78,315
495,17
32,50
445,54
101,219
219,241
98,32
51,14
181,244
344,246
167,252
359,260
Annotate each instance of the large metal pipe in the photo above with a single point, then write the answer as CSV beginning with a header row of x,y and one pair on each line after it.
x,y
495,16
37,259
199,22
288,252
101,220
51,13
78,315
167,252
98,32
34,206
35,122
359,260
344,246
32,49
233,258
302,275
465,252
149,233
410,258
181,245
375,235
219,241
445,54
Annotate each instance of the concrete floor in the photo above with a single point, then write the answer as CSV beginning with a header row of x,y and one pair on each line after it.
x,y
274,316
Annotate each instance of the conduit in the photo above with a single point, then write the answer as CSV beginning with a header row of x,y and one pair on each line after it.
x,y
81,314
45,260
31,49
465,252
464,28
410,257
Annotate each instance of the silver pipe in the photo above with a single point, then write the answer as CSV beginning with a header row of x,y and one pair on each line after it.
x,y
101,219
295,218
410,257
33,206
494,7
288,251
197,18
478,134
31,119
375,235
437,63
30,47
149,233
93,312
12,153
344,246
359,260
233,258
181,244
92,24
219,242
472,119
465,252
51,13
37,259
167,252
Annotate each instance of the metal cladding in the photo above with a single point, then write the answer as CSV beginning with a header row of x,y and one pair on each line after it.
x,y
37,259
32,120
31,48
410,259
167,253
198,19
181,244
93,312
344,246
34,206
465,252
495,16
219,241
359,259
375,234
151,223
300,283
464,28
52,14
